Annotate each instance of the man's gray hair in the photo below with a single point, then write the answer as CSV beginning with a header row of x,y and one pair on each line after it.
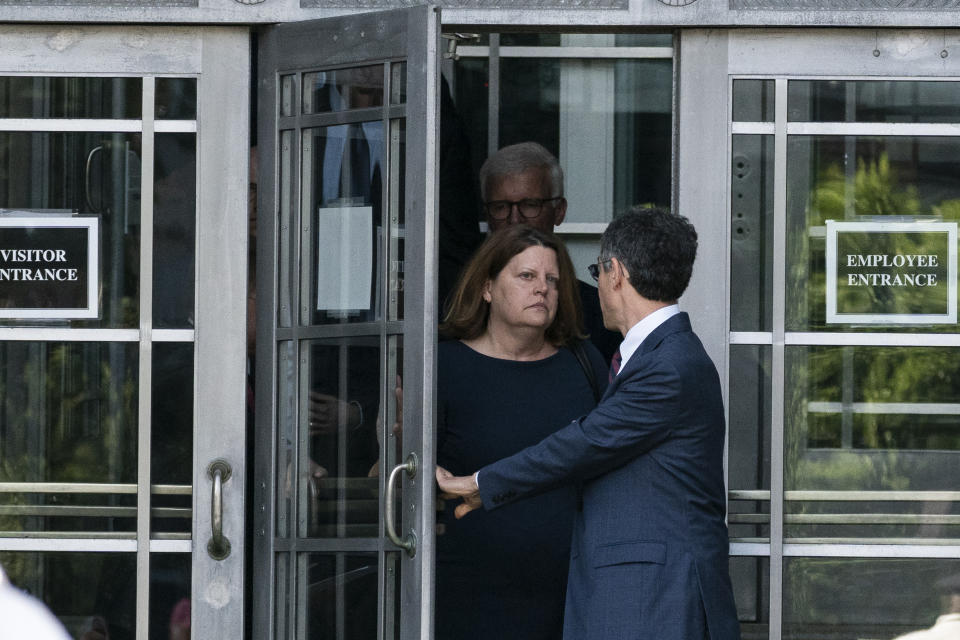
x,y
518,158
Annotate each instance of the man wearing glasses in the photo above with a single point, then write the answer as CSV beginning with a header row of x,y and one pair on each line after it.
x,y
649,558
523,184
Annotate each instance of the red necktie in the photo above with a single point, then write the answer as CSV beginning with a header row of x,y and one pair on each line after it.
x,y
615,365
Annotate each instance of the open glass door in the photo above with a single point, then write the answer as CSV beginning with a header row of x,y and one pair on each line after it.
x,y
122,332
346,317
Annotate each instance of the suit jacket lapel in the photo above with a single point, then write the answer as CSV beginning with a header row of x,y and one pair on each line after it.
x,y
674,324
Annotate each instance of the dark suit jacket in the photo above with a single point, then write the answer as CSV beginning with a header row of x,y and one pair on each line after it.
x,y
650,547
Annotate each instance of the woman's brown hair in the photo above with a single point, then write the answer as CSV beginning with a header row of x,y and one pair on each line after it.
x,y
467,316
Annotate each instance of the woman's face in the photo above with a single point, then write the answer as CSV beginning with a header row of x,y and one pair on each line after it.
x,y
524,293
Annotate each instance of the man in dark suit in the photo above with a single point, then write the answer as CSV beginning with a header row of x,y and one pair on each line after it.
x,y
649,559
523,184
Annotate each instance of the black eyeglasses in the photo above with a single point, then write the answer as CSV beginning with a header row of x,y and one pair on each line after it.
x,y
529,208
594,269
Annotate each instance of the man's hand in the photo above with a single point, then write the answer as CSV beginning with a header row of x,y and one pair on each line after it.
x,y
465,487
326,413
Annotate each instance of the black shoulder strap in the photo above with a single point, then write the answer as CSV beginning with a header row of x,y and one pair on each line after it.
x,y
581,355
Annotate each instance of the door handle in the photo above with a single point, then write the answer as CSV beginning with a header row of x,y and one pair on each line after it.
x,y
408,542
219,472
86,178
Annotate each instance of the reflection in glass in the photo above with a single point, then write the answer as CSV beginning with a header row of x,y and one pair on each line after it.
x,y
342,193
850,598
287,226
286,435
176,99
171,435
751,590
287,94
174,230
873,101
169,596
343,89
339,594
69,414
751,233
749,439
284,601
88,592
398,82
626,103
858,178
397,222
88,173
753,100
879,419
62,97
339,416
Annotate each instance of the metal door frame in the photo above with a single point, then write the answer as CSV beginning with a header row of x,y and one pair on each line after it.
x,y
711,59
416,25
217,57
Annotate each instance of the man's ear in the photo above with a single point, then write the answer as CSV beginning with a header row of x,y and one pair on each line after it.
x,y
560,212
618,273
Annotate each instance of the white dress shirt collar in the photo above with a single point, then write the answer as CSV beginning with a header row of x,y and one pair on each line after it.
x,y
639,332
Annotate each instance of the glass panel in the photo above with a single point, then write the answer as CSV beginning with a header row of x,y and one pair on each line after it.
x,y
339,410
850,178
753,100
342,191
343,89
586,40
397,222
852,598
871,419
338,593
283,600
391,429
93,594
286,435
176,99
171,435
751,590
287,94
169,596
174,229
287,228
749,439
873,101
88,173
69,414
621,109
751,235
398,82
60,97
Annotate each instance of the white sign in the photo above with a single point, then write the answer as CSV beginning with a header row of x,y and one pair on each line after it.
x,y
891,272
49,266
344,259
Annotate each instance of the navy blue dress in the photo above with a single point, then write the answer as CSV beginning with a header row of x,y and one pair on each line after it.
x,y
502,574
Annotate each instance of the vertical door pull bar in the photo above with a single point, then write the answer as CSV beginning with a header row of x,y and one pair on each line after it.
x,y
219,472
409,542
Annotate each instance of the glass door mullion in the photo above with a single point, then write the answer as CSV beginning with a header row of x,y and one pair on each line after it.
x,y
778,358
144,393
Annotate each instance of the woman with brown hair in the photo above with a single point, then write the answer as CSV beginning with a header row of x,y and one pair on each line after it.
x,y
516,354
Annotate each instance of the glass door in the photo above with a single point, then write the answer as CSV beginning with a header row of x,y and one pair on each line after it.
x,y
844,384
110,410
346,305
